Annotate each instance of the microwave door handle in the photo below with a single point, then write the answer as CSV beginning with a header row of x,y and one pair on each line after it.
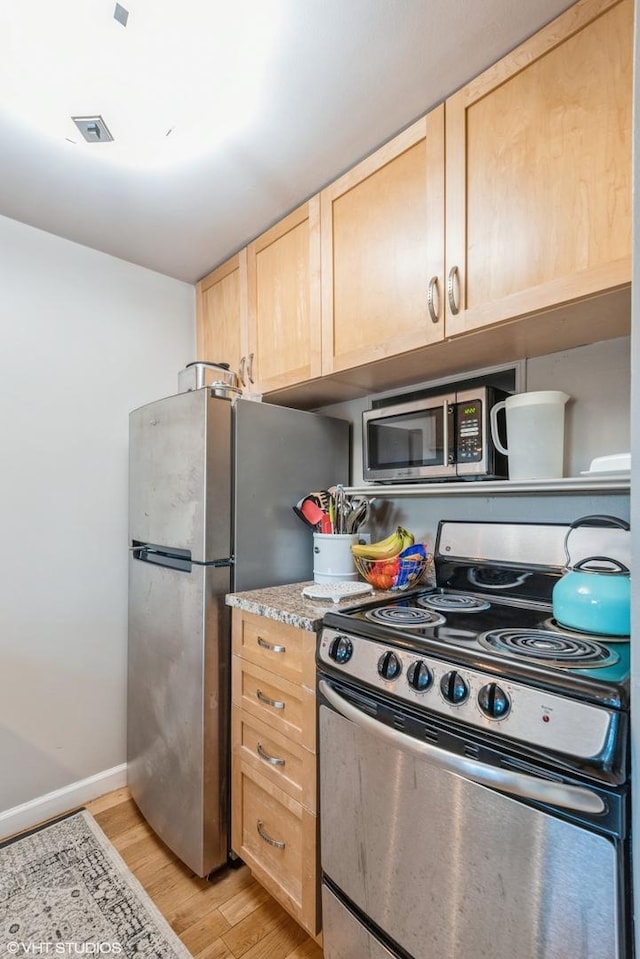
x,y
448,434
516,784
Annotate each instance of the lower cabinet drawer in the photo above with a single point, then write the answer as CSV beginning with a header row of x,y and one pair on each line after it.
x,y
285,706
284,649
284,763
277,839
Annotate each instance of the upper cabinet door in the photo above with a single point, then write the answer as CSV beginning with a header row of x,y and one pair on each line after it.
x,y
221,313
383,250
283,272
538,171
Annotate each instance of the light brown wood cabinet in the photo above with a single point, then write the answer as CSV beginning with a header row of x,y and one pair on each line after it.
x,y
221,313
538,171
536,157
274,824
382,238
260,311
497,227
283,275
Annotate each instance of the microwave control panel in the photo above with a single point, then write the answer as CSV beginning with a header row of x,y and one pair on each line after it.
x,y
469,438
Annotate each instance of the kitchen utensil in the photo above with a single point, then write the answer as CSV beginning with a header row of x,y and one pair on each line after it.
x,y
535,433
332,514
311,513
358,513
590,596
341,508
322,497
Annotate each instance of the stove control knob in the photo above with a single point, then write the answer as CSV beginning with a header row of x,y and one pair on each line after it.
x,y
493,701
389,666
454,688
419,676
341,650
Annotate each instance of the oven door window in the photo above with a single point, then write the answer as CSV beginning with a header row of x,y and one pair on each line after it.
x,y
407,440
447,867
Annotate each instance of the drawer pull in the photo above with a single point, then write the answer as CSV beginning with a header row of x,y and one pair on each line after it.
x,y
270,646
272,760
266,837
270,702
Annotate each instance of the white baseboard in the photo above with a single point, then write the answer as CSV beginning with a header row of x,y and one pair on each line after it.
x,y
61,800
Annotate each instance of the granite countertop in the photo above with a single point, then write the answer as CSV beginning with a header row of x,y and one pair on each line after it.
x,y
286,604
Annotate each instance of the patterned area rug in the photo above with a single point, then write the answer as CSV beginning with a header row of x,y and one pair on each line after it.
x,y
65,891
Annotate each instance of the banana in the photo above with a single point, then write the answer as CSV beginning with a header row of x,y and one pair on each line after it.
x,y
386,548
383,546
409,538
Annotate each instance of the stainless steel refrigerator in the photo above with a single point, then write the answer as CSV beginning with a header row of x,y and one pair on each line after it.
x,y
212,485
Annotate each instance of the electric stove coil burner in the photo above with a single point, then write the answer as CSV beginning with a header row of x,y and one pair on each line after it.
x,y
549,647
404,617
582,633
453,602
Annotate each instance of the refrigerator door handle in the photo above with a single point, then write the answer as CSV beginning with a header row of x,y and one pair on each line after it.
x,y
179,559
176,559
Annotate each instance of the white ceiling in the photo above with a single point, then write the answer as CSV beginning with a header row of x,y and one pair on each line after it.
x,y
343,77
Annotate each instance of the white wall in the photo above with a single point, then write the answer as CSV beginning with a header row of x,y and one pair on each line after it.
x,y
84,338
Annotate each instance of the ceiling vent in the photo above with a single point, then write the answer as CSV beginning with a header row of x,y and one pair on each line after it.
x,y
93,129
120,14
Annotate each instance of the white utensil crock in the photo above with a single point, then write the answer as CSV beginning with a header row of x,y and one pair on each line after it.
x,y
332,557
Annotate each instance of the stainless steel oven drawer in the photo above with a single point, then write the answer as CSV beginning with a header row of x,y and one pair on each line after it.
x,y
449,868
348,938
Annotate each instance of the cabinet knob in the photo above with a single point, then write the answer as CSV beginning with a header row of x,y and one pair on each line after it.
x,y
242,371
250,367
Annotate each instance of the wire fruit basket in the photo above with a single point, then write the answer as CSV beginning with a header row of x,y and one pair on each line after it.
x,y
398,573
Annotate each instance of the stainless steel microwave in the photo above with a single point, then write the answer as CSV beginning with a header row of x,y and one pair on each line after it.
x,y
439,437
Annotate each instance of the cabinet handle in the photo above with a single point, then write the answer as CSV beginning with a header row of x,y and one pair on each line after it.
x,y
453,272
272,760
270,702
270,646
242,371
267,838
433,310
250,367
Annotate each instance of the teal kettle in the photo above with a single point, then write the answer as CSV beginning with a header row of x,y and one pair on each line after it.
x,y
592,597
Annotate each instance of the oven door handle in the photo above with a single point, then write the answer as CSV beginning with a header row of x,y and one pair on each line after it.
x,y
516,784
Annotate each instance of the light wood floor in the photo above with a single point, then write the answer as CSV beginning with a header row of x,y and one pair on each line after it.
x,y
232,917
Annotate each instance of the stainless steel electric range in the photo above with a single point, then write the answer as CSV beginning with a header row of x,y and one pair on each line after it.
x,y
474,765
